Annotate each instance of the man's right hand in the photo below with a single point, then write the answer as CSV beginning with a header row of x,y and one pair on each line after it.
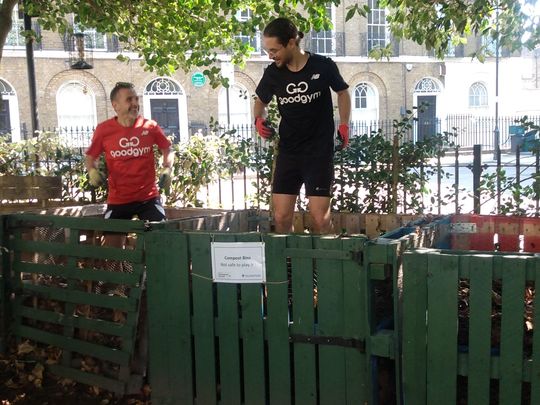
x,y
262,128
95,177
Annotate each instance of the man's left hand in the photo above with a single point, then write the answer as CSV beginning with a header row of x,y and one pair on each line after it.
x,y
165,179
343,133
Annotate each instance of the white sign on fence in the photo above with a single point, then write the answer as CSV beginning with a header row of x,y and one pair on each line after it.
x,y
238,262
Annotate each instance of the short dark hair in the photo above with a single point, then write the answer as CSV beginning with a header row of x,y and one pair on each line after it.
x,y
283,29
118,86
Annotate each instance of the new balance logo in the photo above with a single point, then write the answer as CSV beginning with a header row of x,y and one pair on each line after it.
x,y
315,76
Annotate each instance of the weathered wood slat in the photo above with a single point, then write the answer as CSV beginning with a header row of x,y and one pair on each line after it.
x,y
253,337
96,325
513,269
535,372
203,319
356,324
228,321
305,379
94,224
30,187
442,330
74,345
480,291
169,314
79,297
4,293
83,251
414,327
277,287
330,310
89,274
109,384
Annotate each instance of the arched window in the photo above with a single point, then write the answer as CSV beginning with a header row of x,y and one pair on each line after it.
x,y
165,102
234,108
162,86
365,103
427,85
9,111
76,109
478,95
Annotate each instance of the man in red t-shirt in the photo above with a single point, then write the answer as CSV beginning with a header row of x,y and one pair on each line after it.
x,y
127,141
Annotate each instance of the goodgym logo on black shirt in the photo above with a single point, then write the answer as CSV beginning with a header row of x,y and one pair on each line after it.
x,y
298,94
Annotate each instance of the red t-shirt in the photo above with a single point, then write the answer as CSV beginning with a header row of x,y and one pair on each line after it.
x,y
130,158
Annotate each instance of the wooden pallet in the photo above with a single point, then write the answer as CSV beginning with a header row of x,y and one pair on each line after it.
x,y
23,193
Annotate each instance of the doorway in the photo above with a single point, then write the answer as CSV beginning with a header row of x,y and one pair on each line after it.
x,y
427,117
165,113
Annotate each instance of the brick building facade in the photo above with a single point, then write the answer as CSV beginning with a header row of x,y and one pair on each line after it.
x,y
381,90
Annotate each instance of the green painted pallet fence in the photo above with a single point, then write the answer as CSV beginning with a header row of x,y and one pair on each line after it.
x,y
435,369
4,273
216,343
54,271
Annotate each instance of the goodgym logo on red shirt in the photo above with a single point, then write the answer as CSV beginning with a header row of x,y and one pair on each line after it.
x,y
130,147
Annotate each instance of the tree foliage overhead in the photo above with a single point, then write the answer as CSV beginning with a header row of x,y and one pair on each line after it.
x,y
172,35
440,24
182,34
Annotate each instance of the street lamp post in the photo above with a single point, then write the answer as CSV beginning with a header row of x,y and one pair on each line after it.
x,y
496,132
30,67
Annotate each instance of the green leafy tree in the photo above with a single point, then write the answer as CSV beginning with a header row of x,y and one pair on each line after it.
x,y
440,24
171,35
184,34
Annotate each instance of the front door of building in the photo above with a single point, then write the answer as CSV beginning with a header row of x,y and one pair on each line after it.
x,y
165,112
427,117
5,123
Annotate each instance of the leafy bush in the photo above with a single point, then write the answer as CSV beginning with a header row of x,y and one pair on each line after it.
x,y
377,173
45,155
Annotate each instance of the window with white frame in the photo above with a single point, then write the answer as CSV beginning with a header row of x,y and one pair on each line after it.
x,y
478,96
253,40
490,45
323,42
76,109
378,34
234,108
15,38
365,103
92,39
450,50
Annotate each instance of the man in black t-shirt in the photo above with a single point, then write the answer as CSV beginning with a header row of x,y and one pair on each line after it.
x,y
301,82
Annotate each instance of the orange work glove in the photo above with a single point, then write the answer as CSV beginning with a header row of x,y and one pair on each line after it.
x,y
263,129
343,133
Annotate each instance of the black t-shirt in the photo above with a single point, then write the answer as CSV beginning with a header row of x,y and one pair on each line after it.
x,y
305,104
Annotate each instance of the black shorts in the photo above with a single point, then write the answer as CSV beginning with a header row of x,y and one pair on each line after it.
x,y
149,210
315,172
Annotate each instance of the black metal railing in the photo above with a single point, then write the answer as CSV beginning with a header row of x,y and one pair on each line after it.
x,y
450,183
469,130
476,130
